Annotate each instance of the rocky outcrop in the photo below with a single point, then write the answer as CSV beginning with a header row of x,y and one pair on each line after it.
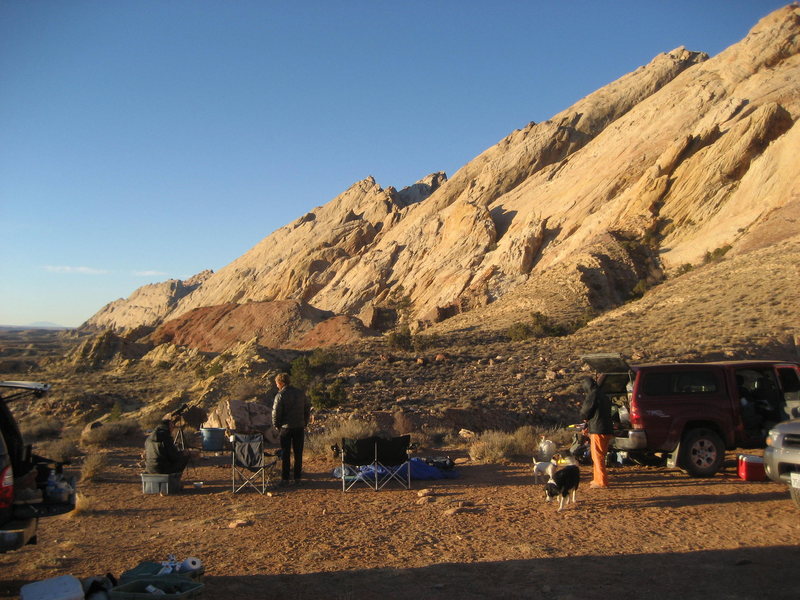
x,y
679,158
280,324
147,306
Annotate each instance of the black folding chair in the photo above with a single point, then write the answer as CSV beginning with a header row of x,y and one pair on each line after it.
x,y
358,462
393,462
250,466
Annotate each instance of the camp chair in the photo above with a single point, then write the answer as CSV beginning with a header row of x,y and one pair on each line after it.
x,y
358,462
250,467
393,463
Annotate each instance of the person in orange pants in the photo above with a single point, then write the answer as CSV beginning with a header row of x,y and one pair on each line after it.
x,y
596,413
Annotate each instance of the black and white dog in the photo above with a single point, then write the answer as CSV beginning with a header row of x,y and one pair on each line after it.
x,y
563,483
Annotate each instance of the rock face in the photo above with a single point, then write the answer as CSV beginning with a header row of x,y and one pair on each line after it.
x,y
686,155
280,324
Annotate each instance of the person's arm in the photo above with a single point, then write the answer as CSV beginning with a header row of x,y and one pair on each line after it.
x,y
306,409
277,410
589,405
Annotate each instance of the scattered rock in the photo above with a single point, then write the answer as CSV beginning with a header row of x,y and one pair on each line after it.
x,y
239,523
425,492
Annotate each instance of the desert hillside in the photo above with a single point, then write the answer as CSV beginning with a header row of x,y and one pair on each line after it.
x,y
685,157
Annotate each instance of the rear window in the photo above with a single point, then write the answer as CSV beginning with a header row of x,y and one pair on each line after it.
x,y
680,382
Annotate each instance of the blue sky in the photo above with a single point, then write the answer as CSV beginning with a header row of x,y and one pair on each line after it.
x,y
142,141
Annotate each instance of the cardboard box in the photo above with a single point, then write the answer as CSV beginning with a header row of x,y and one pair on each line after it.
x,y
751,468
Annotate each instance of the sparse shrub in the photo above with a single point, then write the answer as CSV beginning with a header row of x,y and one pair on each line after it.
x,y
116,411
111,432
424,342
400,339
519,331
319,443
63,450
326,396
639,289
214,369
500,446
83,505
322,359
300,372
716,254
93,466
683,269
246,389
40,428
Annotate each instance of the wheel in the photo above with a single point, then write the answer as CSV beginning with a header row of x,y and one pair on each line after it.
x,y
795,495
702,453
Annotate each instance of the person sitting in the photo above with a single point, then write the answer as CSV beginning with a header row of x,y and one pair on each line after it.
x,y
161,454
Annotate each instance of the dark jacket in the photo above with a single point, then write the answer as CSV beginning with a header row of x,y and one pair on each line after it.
x,y
596,409
161,455
291,408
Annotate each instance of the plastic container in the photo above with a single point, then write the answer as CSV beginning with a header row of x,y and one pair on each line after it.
x,y
157,483
173,586
213,438
751,468
65,587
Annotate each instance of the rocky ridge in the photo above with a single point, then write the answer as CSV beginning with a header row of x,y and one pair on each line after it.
x,y
680,158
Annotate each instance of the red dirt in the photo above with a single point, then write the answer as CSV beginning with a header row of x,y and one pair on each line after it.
x,y
655,533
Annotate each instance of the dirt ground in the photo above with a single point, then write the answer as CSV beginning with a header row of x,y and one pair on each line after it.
x,y
655,533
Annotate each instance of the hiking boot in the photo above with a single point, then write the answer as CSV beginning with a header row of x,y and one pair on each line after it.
x,y
28,496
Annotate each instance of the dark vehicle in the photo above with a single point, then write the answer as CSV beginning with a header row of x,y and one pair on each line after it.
x,y
53,495
690,413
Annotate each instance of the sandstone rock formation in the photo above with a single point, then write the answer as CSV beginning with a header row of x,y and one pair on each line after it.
x,y
683,156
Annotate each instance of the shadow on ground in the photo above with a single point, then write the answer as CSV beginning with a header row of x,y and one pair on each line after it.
x,y
742,573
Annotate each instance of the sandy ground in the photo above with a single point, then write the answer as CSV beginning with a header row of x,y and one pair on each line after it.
x,y
655,533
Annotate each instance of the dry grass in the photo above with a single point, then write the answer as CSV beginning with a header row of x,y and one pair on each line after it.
x,y
83,505
501,446
93,466
63,450
320,443
40,428
111,432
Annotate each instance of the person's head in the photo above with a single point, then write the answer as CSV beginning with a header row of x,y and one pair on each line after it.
x,y
168,421
588,384
282,380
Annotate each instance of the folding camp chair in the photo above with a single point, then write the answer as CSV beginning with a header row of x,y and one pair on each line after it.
x,y
392,461
249,465
358,462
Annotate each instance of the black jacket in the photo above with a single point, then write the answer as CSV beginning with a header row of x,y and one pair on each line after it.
x,y
291,408
161,455
596,409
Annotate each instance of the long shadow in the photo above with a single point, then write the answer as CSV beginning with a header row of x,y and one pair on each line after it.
x,y
739,573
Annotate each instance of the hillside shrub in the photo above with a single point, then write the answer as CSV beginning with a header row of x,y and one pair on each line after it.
x,y
320,443
111,432
539,326
326,395
93,466
63,450
716,254
400,339
40,428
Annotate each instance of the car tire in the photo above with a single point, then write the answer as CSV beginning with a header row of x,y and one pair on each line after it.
x,y
794,493
702,453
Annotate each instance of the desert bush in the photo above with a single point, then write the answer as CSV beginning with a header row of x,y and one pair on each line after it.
x,y
319,443
111,432
247,388
424,342
501,446
716,254
93,466
539,326
40,428
63,450
683,269
519,331
83,505
400,339
326,395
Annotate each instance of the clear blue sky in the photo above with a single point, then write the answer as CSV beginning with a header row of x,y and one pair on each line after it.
x,y
142,141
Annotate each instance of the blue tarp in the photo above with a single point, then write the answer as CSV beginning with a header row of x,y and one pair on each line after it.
x,y
420,470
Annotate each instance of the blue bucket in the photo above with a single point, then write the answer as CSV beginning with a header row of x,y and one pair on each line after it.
x,y
213,438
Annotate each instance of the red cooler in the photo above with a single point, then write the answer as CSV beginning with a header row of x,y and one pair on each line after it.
x,y
751,468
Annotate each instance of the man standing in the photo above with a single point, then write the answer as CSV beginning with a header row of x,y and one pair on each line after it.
x,y
596,412
161,454
290,414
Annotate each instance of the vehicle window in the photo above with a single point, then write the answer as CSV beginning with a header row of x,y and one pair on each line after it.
x,y
680,382
790,382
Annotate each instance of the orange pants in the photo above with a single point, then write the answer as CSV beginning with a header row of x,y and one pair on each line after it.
x,y
598,443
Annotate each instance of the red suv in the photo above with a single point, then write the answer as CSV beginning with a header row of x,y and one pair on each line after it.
x,y
49,493
690,413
